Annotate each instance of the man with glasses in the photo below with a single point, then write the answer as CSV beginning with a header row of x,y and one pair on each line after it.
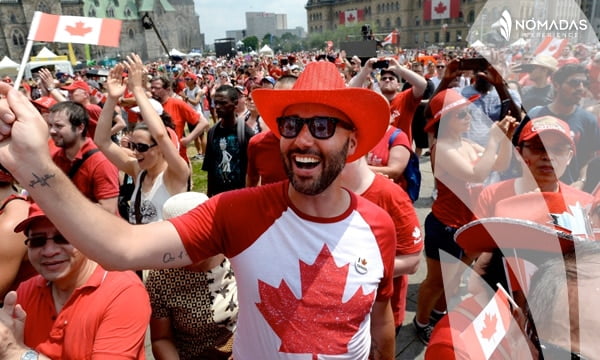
x,y
571,84
78,157
74,309
402,104
314,261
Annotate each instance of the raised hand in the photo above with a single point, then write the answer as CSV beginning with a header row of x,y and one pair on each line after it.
x,y
137,71
115,84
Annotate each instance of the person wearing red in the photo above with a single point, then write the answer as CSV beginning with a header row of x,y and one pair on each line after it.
x,y
181,113
358,177
390,159
314,262
77,155
459,165
74,309
402,104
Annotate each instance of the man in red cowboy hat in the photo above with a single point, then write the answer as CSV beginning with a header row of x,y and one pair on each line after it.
x,y
314,262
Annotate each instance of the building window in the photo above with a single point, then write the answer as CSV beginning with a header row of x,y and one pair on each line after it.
x,y
436,37
13,19
417,21
426,38
131,34
110,12
416,38
43,7
17,38
388,23
398,22
378,8
378,23
471,17
447,37
92,12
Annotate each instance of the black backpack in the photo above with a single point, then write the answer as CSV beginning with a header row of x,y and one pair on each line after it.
x,y
411,173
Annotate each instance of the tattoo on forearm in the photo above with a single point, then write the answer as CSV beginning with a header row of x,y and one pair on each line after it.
x,y
168,257
42,180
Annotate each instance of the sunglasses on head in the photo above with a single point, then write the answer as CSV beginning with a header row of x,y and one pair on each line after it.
x,y
320,127
140,147
37,241
577,82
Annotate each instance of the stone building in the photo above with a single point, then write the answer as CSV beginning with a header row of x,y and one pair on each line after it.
x,y
175,20
466,21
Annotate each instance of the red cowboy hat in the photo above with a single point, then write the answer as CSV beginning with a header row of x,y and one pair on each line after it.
x,y
321,83
444,102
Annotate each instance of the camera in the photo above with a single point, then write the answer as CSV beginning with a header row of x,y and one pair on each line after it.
x,y
381,64
476,64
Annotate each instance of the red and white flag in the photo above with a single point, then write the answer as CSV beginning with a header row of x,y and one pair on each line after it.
x,y
518,273
488,328
351,17
75,29
441,9
392,38
551,46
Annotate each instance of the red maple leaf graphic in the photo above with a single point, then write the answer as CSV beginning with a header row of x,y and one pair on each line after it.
x,y
351,18
490,326
317,323
440,8
79,29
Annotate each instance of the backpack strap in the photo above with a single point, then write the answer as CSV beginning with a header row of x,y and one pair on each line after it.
x,y
138,199
393,137
77,163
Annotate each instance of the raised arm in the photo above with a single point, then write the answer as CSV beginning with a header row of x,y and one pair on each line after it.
x,y
112,151
177,172
101,236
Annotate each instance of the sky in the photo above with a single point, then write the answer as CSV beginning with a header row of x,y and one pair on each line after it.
x,y
217,16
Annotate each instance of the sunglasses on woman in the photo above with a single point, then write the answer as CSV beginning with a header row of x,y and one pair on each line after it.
x,y
38,241
320,127
140,147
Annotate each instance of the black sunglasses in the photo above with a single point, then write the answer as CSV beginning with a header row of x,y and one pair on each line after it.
x,y
37,241
577,82
140,147
320,127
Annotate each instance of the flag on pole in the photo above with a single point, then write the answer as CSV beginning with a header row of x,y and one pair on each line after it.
x,y
351,17
551,46
441,9
488,328
75,29
392,38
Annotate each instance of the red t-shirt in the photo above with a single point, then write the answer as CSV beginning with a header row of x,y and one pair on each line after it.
x,y
181,114
264,158
107,317
93,111
97,178
293,269
380,154
402,108
409,240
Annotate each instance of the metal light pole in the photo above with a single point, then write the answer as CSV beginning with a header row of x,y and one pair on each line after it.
x,y
148,24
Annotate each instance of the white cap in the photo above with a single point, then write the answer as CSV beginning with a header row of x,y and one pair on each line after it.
x,y
181,203
155,104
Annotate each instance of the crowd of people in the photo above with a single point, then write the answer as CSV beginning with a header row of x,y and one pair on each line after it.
x,y
307,234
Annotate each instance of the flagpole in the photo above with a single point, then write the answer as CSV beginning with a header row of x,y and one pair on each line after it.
x,y
23,63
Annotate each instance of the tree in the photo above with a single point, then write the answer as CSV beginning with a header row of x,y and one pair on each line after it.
x,y
250,43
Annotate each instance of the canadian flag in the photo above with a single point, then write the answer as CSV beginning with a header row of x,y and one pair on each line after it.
x,y
351,17
392,38
75,29
551,46
441,9
488,328
518,273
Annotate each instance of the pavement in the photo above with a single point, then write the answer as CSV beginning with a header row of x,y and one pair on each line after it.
x,y
408,346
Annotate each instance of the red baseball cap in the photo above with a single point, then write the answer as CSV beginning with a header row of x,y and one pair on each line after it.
x,y
35,213
546,124
191,76
45,102
79,84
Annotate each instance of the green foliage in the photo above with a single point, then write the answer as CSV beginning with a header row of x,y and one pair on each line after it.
x,y
318,41
250,43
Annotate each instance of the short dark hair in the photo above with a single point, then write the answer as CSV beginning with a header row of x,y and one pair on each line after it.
x,y
386,71
229,91
562,74
76,112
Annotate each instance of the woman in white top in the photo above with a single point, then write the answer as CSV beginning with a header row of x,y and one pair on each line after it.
x,y
156,166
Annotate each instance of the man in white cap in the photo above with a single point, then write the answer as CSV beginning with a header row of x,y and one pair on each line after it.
x,y
540,93
314,262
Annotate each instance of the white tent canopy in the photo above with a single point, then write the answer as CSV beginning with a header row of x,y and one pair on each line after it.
x,y
175,52
266,50
46,53
8,67
519,42
477,44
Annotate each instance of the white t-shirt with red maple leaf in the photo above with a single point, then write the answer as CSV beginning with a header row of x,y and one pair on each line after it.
x,y
306,285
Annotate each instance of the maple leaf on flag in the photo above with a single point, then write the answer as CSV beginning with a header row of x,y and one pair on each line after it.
x,y
318,322
490,326
440,8
79,29
351,18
